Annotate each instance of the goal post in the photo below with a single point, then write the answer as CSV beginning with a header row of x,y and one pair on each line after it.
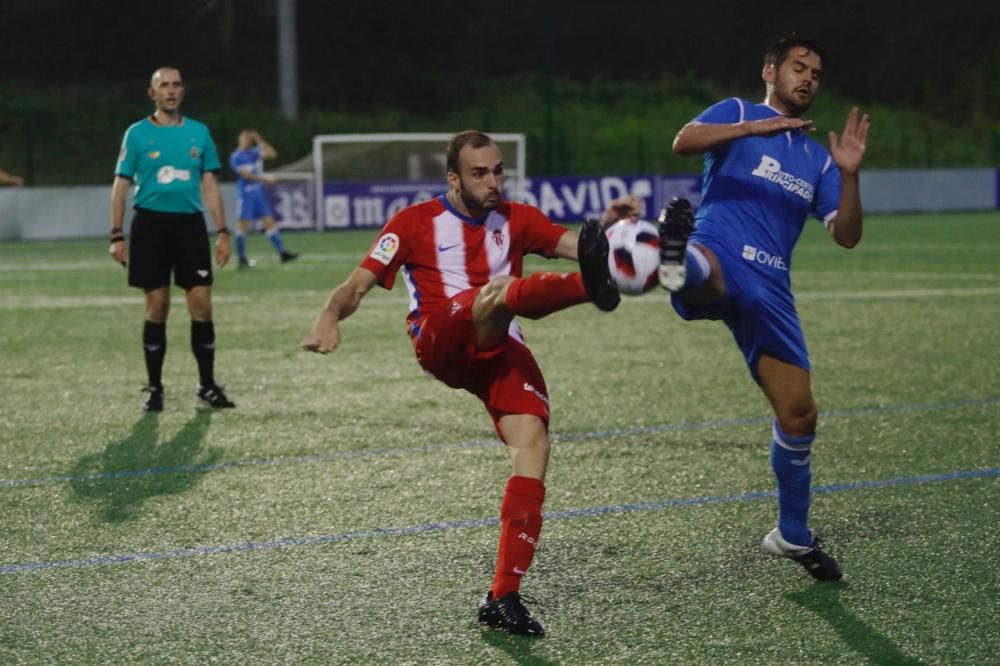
x,y
361,180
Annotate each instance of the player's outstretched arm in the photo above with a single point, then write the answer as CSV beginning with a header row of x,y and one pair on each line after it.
x,y
343,301
696,138
848,151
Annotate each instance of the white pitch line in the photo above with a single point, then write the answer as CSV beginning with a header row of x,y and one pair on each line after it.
x,y
107,264
906,275
11,302
396,300
883,294
891,294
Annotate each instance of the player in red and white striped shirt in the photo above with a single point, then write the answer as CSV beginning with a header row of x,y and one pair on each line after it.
x,y
462,255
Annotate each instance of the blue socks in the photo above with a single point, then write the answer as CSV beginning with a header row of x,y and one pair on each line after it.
x,y
696,268
275,237
241,244
790,457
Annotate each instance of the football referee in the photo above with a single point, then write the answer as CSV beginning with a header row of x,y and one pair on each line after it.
x,y
172,161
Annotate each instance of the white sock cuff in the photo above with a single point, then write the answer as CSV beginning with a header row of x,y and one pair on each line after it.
x,y
701,259
789,442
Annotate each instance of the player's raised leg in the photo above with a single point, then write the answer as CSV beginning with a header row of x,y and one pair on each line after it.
x,y
688,269
592,253
787,387
541,294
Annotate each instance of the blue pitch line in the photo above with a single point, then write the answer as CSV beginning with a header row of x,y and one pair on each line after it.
x,y
476,443
447,526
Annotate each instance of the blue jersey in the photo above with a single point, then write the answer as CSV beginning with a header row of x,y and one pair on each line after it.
x,y
244,161
758,191
166,163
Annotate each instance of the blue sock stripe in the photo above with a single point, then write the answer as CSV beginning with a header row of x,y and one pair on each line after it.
x,y
800,443
274,236
241,243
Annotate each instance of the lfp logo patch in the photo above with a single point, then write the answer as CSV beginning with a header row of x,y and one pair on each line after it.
x,y
385,249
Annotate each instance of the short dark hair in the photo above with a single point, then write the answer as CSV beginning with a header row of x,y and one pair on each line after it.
x,y
778,52
473,138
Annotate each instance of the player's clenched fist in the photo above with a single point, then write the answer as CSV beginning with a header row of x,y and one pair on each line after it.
x,y
325,334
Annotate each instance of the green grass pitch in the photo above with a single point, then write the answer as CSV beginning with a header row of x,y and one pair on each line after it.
x,y
345,512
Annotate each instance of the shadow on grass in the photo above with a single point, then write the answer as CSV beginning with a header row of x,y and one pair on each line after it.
x,y
131,470
824,600
518,647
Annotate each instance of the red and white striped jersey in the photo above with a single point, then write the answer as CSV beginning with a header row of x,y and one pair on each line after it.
x,y
443,252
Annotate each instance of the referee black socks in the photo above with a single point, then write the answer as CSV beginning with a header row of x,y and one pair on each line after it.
x,y
203,347
154,346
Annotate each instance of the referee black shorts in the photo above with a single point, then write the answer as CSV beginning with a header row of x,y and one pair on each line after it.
x,y
161,243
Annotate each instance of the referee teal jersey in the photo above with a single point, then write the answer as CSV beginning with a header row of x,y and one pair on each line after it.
x,y
166,163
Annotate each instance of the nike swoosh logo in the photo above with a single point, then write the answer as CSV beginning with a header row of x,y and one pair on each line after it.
x,y
445,248
519,571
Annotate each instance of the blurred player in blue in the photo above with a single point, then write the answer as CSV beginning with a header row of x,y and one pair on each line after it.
x,y
764,176
248,163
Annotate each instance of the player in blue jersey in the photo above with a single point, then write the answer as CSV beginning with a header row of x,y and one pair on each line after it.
x,y
764,176
248,163
172,161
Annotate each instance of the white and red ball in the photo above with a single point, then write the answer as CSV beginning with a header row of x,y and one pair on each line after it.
x,y
634,255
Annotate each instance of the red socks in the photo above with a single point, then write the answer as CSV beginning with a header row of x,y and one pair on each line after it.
x,y
520,525
541,294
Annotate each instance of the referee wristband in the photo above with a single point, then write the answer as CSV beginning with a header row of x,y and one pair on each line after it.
x,y
117,235
223,230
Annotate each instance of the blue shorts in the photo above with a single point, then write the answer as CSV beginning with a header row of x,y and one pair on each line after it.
x,y
759,312
252,205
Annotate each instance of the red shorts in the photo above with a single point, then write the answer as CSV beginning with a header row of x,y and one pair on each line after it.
x,y
506,378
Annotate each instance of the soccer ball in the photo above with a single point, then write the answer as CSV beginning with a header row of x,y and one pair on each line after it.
x,y
634,256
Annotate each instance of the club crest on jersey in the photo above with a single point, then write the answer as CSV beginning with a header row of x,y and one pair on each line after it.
x,y
385,249
498,238
194,152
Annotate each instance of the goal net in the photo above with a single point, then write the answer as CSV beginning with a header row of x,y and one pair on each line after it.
x,y
361,180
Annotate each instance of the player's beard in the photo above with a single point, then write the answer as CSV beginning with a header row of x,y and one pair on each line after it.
x,y
794,107
477,207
